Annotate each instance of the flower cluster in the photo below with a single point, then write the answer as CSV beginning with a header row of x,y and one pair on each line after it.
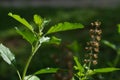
x,y
92,47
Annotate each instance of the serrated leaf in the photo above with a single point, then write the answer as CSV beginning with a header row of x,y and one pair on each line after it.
x,y
105,70
6,54
38,20
109,44
55,40
31,77
119,28
27,35
21,20
78,65
64,26
47,70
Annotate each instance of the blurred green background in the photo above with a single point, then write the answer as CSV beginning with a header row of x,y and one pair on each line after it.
x,y
109,18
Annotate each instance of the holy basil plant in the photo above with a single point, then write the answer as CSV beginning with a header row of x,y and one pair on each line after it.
x,y
35,36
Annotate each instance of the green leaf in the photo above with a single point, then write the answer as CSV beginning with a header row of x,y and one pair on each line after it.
x,y
90,72
45,22
55,40
119,28
105,70
109,44
47,70
78,65
6,54
38,19
64,26
21,20
31,77
27,35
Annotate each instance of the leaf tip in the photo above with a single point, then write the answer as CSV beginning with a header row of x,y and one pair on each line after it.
x,y
10,14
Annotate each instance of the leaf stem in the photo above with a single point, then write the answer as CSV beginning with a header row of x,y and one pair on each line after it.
x,y
19,75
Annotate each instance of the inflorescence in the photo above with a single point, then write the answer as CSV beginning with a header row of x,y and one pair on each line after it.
x,y
92,47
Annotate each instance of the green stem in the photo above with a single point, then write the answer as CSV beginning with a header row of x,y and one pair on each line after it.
x,y
19,75
26,67
89,64
34,49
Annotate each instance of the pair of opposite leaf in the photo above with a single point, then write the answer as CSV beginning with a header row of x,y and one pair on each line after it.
x,y
31,36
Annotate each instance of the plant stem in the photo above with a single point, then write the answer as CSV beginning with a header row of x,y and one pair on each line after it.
x,y
26,67
89,64
34,49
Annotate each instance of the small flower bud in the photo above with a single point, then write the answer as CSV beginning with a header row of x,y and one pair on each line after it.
x,y
97,24
96,44
94,62
92,36
91,31
95,56
86,48
92,24
85,60
98,38
96,50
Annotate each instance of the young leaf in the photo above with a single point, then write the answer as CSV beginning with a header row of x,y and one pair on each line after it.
x,y
47,70
27,35
38,20
6,54
21,20
90,72
109,44
119,28
44,39
55,40
31,77
64,26
45,22
105,70
78,65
